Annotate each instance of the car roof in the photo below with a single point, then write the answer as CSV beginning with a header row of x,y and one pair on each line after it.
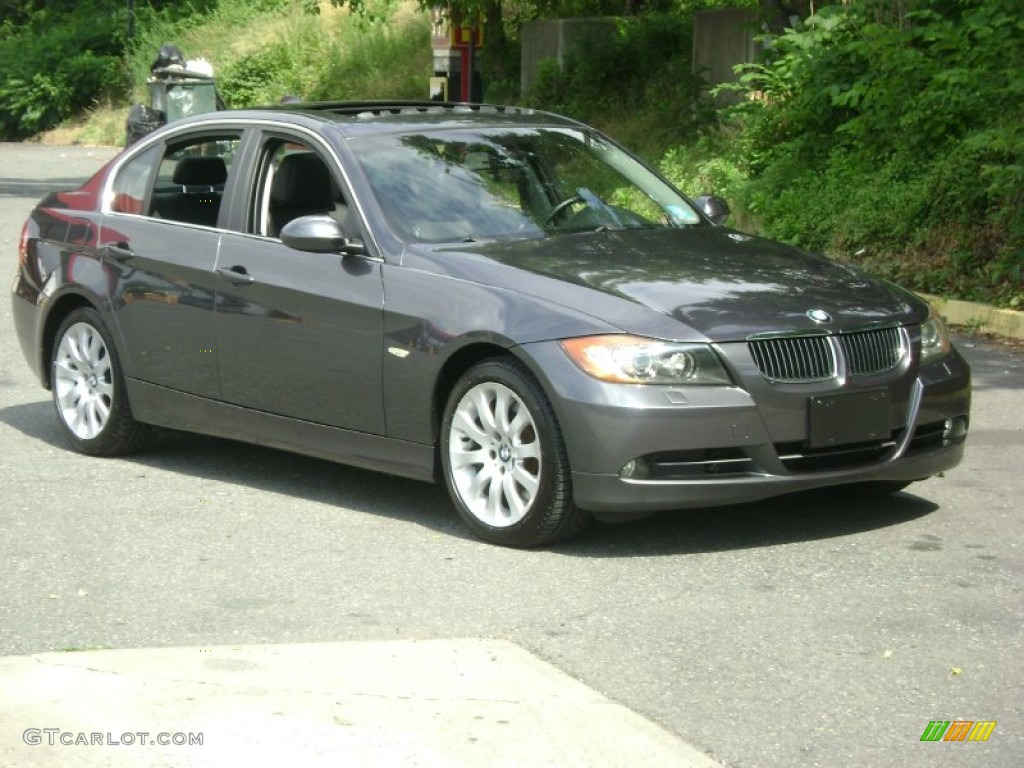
x,y
356,118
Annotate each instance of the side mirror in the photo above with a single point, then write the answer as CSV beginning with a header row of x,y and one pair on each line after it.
x,y
320,234
714,208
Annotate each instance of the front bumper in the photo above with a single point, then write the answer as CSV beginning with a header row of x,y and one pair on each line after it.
x,y
612,493
647,448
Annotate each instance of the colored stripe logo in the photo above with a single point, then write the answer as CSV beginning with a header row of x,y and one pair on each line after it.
x,y
958,730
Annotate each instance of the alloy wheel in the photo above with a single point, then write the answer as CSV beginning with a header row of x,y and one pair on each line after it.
x,y
83,381
495,454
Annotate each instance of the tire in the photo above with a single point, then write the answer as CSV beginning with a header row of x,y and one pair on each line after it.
x,y
88,389
504,460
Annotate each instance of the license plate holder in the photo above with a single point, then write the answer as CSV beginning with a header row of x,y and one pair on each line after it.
x,y
852,417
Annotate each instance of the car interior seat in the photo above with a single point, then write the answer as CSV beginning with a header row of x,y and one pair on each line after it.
x,y
302,186
199,186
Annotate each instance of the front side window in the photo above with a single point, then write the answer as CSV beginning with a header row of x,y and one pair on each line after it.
x,y
293,180
461,186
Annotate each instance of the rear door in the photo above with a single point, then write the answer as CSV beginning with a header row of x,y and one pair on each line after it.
x,y
160,240
298,334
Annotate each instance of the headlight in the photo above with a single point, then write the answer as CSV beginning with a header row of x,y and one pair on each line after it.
x,y
934,337
635,360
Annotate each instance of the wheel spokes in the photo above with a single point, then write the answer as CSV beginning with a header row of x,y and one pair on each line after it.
x,y
83,381
494,454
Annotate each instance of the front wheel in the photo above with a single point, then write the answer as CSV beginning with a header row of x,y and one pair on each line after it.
x,y
88,388
505,463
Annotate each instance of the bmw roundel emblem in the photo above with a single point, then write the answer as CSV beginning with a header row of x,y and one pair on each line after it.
x,y
819,316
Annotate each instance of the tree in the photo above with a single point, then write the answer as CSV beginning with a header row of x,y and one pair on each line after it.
x,y
778,14
493,16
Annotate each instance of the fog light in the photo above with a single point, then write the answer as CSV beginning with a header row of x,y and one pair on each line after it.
x,y
635,469
955,430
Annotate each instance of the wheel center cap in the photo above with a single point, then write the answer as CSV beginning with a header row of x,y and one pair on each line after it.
x,y
92,381
504,453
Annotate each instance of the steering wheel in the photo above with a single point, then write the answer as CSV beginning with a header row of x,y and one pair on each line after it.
x,y
562,206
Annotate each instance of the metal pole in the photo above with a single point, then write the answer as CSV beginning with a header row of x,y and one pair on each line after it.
x,y
465,54
471,55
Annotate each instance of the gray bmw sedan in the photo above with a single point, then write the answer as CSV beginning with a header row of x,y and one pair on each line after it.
x,y
501,300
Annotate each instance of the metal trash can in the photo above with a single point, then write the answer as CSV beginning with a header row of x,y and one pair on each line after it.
x,y
181,97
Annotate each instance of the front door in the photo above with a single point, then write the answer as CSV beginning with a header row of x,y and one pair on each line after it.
x,y
298,334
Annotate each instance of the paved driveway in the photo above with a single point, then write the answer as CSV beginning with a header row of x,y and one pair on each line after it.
x,y
817,631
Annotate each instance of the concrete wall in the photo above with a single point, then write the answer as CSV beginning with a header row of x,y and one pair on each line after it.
x,y
721,40
554,39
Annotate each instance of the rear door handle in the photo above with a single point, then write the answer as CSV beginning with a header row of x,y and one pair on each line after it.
x,y
236,274
119,252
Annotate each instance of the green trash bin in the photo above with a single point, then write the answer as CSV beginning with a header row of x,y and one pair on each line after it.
x,y
178,98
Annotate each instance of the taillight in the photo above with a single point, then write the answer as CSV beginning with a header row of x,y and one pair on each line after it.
x,y
23,246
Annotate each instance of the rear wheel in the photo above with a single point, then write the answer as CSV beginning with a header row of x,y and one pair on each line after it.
x,y
88,388
505,464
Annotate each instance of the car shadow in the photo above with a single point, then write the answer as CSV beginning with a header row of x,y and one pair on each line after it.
x,y
803,517
263,468
808,516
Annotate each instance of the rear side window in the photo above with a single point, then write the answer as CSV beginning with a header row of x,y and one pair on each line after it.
x,y
181,182
132,183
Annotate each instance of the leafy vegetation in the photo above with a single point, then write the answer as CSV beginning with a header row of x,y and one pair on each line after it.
x,y
888,133
52,71
637,84
333,56
870,136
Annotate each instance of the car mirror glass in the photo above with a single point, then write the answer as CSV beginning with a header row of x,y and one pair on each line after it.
x,y
715,208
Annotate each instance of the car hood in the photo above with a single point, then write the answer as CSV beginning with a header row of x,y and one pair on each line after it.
x,y
723,284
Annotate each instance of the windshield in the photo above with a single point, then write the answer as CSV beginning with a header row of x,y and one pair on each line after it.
x,y
506,184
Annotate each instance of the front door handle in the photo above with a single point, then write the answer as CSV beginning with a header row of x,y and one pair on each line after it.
x,y
236,274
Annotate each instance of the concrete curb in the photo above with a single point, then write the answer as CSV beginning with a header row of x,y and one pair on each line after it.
x,y
979,317
433,704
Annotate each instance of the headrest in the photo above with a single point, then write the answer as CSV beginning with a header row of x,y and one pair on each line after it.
x,y
477,161
302,177
200,171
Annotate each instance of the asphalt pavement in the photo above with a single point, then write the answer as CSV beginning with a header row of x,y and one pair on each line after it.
x,y
282,610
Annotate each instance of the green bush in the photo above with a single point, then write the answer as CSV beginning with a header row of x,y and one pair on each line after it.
x,y
54,71
379,58
639,80
381,55
870,140
225,32
256,78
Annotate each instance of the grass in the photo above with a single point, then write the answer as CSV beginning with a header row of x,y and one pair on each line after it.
x,y
259,55
102,126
